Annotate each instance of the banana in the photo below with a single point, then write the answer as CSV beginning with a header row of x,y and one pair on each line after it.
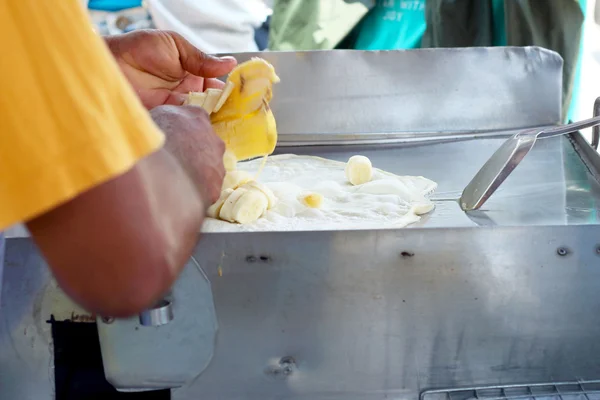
x,y
250,206
271,199
227,89
312,200
214,210
235,179
226,212
358,170
195,99
244,121
212,98
229,161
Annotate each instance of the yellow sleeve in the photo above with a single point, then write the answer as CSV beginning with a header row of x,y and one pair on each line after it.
x,y
68,118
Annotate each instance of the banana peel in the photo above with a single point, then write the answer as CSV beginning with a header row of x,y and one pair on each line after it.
x,y
240,113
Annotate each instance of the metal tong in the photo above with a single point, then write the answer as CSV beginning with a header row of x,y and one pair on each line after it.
x,y
511,153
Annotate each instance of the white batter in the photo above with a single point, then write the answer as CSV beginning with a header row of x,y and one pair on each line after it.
x,y
388,201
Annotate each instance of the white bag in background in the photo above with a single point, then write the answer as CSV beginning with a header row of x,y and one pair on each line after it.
x,y
214,26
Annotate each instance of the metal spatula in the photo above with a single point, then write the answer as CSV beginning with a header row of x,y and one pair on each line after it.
x,y
506,159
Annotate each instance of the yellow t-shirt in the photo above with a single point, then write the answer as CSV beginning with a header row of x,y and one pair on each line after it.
x,y
68,118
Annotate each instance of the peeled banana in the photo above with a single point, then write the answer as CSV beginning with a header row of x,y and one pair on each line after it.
x,y
243,204
235,179
226,212
214,210
358,170
240,112
229,160
249,207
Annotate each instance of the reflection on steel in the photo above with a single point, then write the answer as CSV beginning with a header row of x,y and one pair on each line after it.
x,y
596,129
547,391
160,314
502,163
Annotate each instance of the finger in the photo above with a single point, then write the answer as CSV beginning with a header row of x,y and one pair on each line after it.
x,y
198,63
212,83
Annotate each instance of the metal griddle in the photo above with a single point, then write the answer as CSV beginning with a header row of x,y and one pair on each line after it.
x,y
480,302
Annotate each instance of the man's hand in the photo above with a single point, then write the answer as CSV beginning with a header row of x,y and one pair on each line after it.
x,y
163,67
192,141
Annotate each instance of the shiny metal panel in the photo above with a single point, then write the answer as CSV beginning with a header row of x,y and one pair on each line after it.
x,y
347,95
356,315
385,314
156,357
495,171
552,185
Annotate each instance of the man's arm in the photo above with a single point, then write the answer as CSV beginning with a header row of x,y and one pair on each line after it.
x,y
117,247
115,215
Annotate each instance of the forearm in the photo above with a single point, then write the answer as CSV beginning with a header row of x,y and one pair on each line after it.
x,y
118,247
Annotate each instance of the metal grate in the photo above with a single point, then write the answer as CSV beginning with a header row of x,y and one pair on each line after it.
x,y
582,390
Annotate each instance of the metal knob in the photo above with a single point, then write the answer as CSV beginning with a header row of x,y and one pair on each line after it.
x,y
160,314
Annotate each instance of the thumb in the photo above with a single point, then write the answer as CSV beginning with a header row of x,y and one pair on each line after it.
x,y
201,64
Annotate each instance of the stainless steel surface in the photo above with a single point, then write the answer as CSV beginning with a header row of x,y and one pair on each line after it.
x,y
160,314
168,355
340,96
596,129
552,186
575,390
364,315
503,162
370,314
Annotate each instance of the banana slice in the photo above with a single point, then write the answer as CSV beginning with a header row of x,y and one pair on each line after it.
x,y
226,212
235,179
312,200
359,170
214,210
227,89
244,121
212,98
229,160
250,206
195,99
271,199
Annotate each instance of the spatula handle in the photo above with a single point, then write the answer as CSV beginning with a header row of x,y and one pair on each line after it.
x,y
569,128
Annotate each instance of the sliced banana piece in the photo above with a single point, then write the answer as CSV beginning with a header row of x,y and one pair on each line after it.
x,y
272,200
359,170
245,121
250,206
195,99
235,179
312,200
227,89
226,212
229,160
212,98
214,210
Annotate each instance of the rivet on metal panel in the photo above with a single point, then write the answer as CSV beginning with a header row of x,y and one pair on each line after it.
x,y
108,320
562,251
598,249
284,368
